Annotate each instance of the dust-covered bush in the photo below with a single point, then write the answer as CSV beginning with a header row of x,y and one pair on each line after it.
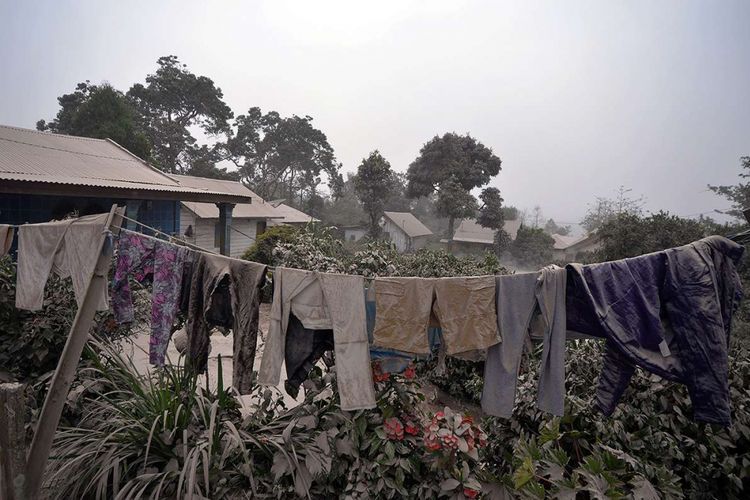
x,y
262,250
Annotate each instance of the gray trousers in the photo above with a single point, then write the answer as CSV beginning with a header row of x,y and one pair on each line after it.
x,y
518,295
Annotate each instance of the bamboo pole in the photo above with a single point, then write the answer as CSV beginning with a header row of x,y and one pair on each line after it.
x,y
68,364
12,440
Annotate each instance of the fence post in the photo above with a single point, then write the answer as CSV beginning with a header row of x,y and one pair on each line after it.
x,y
12,440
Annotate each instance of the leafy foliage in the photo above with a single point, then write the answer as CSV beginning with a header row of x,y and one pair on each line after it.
x,y
102,112
739,194
605,209
532,246
262,250
491,213
373,183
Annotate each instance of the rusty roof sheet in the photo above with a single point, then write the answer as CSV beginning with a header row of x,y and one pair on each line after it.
x,y
31,156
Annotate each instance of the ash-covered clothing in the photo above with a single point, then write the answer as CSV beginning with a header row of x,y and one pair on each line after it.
x,y
464,308
149,259
225,292
669,313
304,347
70,248
323,301
6,238
518,297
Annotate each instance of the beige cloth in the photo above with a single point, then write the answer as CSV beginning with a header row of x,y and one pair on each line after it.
x,y
6,238
69,247
323,301
464,308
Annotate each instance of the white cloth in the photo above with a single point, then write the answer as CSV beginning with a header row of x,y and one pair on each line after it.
x,y
69,247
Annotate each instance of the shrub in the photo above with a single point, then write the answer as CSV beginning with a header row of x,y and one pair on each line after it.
x,y
262,250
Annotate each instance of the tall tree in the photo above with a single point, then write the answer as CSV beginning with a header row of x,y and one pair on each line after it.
x,y
532,246
173,101
739,194
551,227
491,213
282,157
373,182
101,112
451,166
606,209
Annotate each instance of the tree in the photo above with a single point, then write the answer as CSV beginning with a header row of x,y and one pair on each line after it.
x,y
203,164
536,216
451,166
532,246
738,194
282,157
630,235
605,209
552,228
173,101
491,213
373,182
101,112
344,210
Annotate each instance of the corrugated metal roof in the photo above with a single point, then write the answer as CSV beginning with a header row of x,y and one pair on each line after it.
x,y
31,156
563,242
292,215
258,209
410,224
470,231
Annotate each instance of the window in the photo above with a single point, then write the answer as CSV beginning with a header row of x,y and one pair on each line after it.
x,y
260,228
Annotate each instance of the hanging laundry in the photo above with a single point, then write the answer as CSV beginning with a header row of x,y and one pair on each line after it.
x,y
518,297
303,349
323,301
69,248
391,360
464,308
6,238
149,259
225,292
694,289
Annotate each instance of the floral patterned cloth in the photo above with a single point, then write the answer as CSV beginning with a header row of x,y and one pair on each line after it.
x,y
146,258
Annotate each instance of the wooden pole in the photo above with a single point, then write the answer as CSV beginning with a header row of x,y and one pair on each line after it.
x,y
68,364
12,440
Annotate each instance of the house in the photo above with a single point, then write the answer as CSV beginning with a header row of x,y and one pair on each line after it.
x,y
571,248
199,222
353,233
470,238
291,216
405,231
45,176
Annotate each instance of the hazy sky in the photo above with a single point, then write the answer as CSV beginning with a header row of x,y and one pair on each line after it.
x,y
577,98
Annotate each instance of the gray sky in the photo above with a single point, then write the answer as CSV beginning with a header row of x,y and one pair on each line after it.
x,y
576,97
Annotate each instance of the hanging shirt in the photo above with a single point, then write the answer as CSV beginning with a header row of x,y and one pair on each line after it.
x,y
695,288
6,238
323,301
145,259
69,247
225,292
518,296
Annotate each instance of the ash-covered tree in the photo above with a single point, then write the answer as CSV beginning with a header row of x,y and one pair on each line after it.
x,y
283,157
373,184
551,227
101,112
491,213
174,101
739,194
605,209
532,246
451,166
203,164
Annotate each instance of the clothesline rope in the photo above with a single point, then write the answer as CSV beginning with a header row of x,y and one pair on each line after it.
x,y
171,237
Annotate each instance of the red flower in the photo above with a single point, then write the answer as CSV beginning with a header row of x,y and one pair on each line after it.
x,y
470,493
440,415
394,429
410,373
432,443
411,429
450,441
377,373
467,419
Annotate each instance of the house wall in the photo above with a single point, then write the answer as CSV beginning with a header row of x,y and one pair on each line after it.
x,y
397,235
23,208
354,234
204,232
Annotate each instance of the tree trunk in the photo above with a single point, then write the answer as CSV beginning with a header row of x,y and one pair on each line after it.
x,y
451,223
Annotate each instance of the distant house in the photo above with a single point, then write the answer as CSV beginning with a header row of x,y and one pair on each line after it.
x,y
469,237
290,216
45,176
354,233
405,231
572,248
199,222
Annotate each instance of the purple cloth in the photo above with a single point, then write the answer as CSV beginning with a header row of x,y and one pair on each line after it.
x,y
667,312
148,258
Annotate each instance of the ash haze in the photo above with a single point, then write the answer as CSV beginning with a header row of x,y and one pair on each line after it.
x,y
576,97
